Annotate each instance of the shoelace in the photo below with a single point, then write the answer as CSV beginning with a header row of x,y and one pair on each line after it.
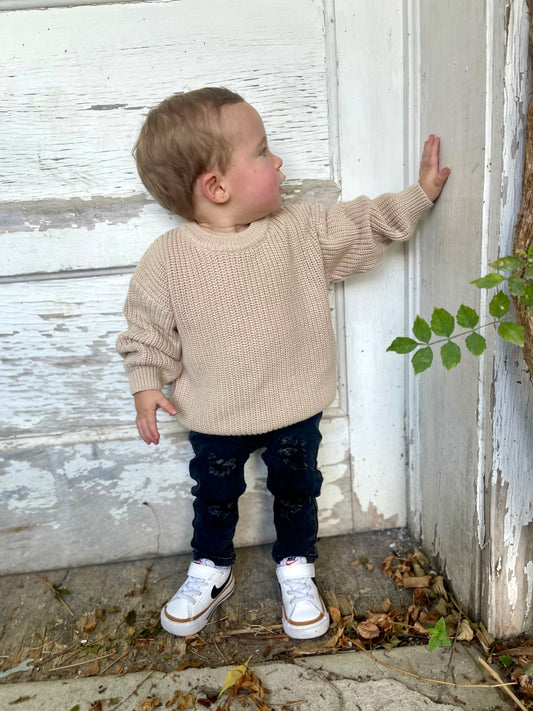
x,y
298,588
192,588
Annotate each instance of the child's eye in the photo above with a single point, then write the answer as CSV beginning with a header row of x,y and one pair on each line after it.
x,y
264,151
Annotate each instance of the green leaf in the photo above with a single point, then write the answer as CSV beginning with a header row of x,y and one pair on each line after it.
x,y
422,330
61,592
433,643
507,264
402,345
512,332
438,635
516,286
506,660
467,317
475,343
422,359
450,354
527,297
528,274
442,322
487,282
499,305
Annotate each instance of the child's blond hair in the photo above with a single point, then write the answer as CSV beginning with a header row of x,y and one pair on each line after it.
x,y
179,140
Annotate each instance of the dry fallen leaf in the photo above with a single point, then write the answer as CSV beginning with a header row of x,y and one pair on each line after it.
x,y
386,566
182,701
252,686
421,597
189,665
386,605
335,615
420,558
367,630
441,608
464,632
150,703
526,684
420,629
233,676
92,670
416,582
438,587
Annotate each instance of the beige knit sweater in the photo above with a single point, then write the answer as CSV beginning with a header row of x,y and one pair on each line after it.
x,y
240,323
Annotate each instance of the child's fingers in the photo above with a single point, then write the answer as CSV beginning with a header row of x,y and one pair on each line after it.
x,y
166,405
147,427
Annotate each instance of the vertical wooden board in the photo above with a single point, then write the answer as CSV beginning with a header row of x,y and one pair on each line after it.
x,y
101,501
507,593
370,75
453,105
77,81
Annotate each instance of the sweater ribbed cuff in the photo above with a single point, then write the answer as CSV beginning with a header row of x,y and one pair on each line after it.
x,y
416,201
147,378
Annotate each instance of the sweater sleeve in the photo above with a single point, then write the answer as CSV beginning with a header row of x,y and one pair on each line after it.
x,y
354,235
151,346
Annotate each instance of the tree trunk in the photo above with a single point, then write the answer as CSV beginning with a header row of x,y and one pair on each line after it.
x,y
524,224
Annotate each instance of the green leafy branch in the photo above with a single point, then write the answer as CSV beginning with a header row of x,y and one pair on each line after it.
x,y
442,324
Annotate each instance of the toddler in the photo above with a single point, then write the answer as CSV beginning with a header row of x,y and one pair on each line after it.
x,y
231,308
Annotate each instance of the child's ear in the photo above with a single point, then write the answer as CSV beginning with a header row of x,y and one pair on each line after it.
x,y
212,188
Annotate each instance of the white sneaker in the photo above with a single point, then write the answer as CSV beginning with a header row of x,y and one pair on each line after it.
x,y
304,614
203,591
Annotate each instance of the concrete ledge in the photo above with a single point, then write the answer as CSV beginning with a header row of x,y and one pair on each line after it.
x,y
350,680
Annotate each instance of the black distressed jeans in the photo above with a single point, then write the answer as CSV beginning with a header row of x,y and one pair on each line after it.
x,y
293,479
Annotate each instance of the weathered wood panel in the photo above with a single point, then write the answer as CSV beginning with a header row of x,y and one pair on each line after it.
x,y
46,236
76,90
371,94
74,504
60,371
507,598
76,82
452,252
58,344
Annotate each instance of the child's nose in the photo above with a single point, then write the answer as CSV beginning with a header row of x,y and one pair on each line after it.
x,y
277,162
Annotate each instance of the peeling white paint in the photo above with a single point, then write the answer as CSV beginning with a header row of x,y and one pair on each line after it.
x,y
528,572
27,489
512,472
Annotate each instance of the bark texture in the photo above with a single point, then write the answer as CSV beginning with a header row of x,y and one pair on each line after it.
x,y
524,225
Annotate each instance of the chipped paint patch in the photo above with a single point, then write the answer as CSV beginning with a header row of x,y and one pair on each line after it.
x,y
27,486
56,214
370,519
528,571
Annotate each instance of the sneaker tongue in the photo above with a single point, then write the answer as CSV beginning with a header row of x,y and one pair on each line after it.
x,y
205,561
293,559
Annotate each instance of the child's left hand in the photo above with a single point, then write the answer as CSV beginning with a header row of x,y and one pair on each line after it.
x,y
432,179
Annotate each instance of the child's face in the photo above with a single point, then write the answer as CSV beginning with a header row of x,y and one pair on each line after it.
x,y
253,176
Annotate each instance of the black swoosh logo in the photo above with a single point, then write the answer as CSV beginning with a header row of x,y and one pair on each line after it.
x,y
215,592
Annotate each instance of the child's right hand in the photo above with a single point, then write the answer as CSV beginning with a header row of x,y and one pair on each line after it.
x,y
146,404
432,179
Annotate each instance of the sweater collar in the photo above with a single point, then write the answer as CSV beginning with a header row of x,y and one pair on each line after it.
x,y
223,242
